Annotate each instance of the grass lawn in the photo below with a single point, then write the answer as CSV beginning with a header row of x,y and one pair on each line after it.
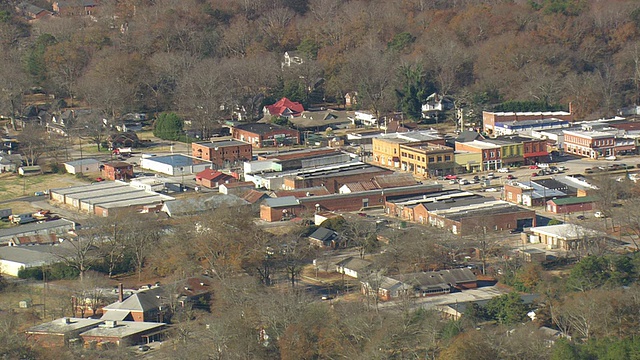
x,y
13,186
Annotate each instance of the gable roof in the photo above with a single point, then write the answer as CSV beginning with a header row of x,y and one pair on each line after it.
x,y
210,174
260,129
323,234
285,107
140,301
354,263
253,196
468,135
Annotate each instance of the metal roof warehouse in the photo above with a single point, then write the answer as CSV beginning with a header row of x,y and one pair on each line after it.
x,y
99,198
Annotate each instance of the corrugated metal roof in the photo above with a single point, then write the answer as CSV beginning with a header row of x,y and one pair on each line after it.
x,y
281,201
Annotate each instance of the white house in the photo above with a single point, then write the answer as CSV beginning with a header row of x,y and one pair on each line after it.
x,y
353,267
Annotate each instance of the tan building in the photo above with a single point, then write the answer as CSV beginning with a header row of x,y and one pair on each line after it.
x,y
470,161
386,151
426,159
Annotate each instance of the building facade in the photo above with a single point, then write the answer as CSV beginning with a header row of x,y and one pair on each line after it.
x,y
427,159
265,135
222,153
591,144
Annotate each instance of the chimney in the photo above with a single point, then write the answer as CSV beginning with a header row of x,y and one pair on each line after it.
x,y
120,292
66,320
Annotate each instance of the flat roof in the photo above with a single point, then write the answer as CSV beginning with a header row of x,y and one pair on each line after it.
x,y
489,210
177,160
63,325
589,134
123,329
530,113
82,162
532,123
117,194
34,255
565,231
222,143
573,200
36,226
97,186
480,144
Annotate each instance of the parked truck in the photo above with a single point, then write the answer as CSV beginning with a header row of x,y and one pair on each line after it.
x,y
5,213
22,218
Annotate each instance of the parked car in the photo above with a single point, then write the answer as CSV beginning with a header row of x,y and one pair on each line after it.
x,y
451,177
515,231
599,214
611,158
464,182
503,170
580,217
99,179
327,297
534,174
490,175
534,167
144,348
510,177
452,181
39,193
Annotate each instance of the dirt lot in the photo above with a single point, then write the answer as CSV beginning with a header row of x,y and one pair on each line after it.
x,y
14,186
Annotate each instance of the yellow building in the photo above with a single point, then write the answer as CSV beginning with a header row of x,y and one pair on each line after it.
x,y
427,159
471,161
386,151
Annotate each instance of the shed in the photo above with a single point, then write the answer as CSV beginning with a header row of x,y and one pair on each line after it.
x,y
82,166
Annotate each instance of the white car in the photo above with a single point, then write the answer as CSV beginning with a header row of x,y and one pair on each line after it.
x,y
599,214
464,182
503,170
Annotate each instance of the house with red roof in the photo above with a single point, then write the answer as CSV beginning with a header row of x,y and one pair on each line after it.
x,y
285,108
212,178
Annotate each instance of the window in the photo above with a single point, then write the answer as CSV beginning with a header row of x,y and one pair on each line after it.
x,y
431,159
439,158
492,154
447,158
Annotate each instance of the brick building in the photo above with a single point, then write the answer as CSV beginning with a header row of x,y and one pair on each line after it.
x,y
386,148
117,170
332,177
591,144
427,159
265,135
491,156
571,205
274,209
223,154
210,178
489,119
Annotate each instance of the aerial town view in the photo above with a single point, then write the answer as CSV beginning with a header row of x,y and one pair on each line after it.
x,y
320,179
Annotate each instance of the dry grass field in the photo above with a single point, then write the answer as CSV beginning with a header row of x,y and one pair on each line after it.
x,y
14,186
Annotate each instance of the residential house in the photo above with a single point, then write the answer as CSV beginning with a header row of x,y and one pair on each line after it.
x,y
210,178
351,99
123,139
124,333
82,166
75,7
265,135
284,108
321,121
354,267
366,118
325,238
31,12
222,154
10,162
435,104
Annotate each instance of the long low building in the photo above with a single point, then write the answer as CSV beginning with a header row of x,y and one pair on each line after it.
x,y
101,198
58,227
287,207
175,165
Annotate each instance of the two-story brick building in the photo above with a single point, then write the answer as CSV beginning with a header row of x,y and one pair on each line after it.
x,y
489,119
591,144
491,155
427,159
117,170
222,153
265,135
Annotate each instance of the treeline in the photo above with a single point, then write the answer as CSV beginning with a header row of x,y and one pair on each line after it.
x,y
206,59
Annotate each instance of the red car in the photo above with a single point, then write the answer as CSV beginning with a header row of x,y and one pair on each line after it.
x,y
451,177
535,167
98,179
510,177
534,174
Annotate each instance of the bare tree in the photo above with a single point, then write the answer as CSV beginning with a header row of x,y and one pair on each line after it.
x,y
81,252
140,237
33,142
14,83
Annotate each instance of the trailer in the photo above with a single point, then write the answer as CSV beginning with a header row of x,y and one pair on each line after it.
x,y
22,218
5,213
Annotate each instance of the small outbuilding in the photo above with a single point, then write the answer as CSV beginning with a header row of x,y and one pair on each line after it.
x,y
82,166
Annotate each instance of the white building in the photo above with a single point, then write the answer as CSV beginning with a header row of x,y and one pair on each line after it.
x,y
175,165
82,166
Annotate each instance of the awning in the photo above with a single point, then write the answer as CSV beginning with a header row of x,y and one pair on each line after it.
x,y
114,315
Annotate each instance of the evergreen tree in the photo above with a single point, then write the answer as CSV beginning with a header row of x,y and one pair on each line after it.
x,y
168,126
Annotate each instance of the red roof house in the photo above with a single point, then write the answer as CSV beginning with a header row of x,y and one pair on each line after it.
x,y
284,107
212,178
